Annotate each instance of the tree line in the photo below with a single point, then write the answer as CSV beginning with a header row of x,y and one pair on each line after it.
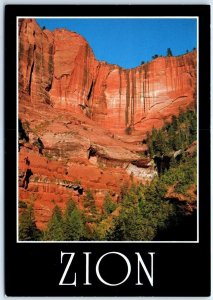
x,y
169,53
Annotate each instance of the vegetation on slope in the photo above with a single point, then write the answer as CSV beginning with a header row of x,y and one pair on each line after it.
x,y
158,211
177,135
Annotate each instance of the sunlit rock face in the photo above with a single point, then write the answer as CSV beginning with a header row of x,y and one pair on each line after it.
x,y
59,69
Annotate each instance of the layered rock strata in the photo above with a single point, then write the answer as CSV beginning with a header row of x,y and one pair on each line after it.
x,y
59,69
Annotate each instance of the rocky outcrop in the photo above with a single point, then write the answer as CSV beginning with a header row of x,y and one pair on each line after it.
x,y
59,69
35,62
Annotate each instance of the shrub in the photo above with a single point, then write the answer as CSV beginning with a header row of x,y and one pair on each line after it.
x,y
22,204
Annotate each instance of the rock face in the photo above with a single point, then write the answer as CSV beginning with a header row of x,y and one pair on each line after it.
x,y
81,121
59,69
35,63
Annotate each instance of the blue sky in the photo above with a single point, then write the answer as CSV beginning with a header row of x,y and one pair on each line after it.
x,y
127,42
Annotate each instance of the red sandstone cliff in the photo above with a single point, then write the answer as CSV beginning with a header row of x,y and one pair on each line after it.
x,y
64,92
59,68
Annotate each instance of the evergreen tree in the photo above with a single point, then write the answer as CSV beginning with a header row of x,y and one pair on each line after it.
x,y
89,202
169,52
70,207
73,225
27,226
54,231
109,206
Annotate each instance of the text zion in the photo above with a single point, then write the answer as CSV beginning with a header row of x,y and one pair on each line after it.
x,y
70,277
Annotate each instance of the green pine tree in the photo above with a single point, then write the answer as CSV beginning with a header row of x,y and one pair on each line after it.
x,y
169,52
73,226
54,231
71,205
89,202
27,226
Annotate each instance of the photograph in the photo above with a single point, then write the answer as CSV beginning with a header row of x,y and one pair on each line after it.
x,y
107,150
107,139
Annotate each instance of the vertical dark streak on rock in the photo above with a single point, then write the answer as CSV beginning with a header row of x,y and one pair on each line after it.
x,y
145,87
153,86
50,68
143,91
127,98
85,77
140,91
92,99
148,88
30,80
120,87
170,75
90,91
166,77
30,62
133,96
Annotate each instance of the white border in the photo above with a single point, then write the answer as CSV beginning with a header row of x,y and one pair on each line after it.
x,y
17,156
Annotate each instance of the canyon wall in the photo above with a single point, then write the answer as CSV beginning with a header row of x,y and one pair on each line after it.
x,y
59,69
69,104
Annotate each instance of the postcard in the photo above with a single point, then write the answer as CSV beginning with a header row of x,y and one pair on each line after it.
x,y
107,154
